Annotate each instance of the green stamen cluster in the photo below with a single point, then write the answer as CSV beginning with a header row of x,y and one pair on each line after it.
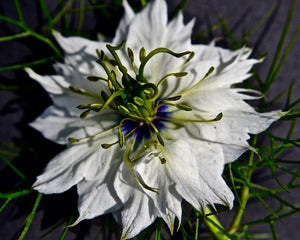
x,y
136,100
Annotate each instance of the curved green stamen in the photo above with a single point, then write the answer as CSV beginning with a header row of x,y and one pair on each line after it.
x,y
154,52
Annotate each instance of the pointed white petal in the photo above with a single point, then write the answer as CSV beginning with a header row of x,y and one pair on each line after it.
x,y
122,30
138,210
136,215
96,198
150,29
167,201
147,28
234,127
69,167
230,67
196,167
53,124
53,84
77,45
58,125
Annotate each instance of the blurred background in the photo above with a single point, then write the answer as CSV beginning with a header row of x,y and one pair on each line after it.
x,y
22,100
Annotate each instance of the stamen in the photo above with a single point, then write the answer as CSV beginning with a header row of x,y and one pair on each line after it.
x,y
138,101
162,160
105,58
175,98
95,79
121,136
121,67
74,140
131,57
200,81
95,107
132,107
159,137
75,90
151,90
178,75
109,74
184,107
104,95
111,98
123,110
83,106
154,52
85,114
136,175
217,118
142,54
180,106
107,145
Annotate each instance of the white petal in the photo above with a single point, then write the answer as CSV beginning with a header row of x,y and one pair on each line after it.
x,y
196,167
96,199
136,215
58,87
77,45
122,30
53,124
72,165
234,127
209,52
147,28
58,125
230,67
139,210
77,70
53,84
217,100
167,201
232,131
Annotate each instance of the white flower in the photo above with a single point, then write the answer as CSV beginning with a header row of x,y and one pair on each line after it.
x,y
138,150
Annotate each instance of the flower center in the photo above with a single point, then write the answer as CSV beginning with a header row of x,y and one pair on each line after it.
x,y
136,100
143,110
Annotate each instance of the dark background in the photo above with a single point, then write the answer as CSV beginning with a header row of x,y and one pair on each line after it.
x,y
23,104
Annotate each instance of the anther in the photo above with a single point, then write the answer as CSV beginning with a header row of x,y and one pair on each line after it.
x,y
95,107
184,107
123,109
83,106
85,114
95,79
132,107
104,95
138,101
142,54
175,98
162,160
75,90
131,57
106,145
72,140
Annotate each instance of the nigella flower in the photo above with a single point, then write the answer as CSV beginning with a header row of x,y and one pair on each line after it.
x,y
150,120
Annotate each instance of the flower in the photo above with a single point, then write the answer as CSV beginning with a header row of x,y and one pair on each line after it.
x,y
158,121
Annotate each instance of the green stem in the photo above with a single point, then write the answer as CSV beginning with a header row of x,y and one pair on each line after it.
x,y
214,226
240,211
15,36
245,195
31,216
15,194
